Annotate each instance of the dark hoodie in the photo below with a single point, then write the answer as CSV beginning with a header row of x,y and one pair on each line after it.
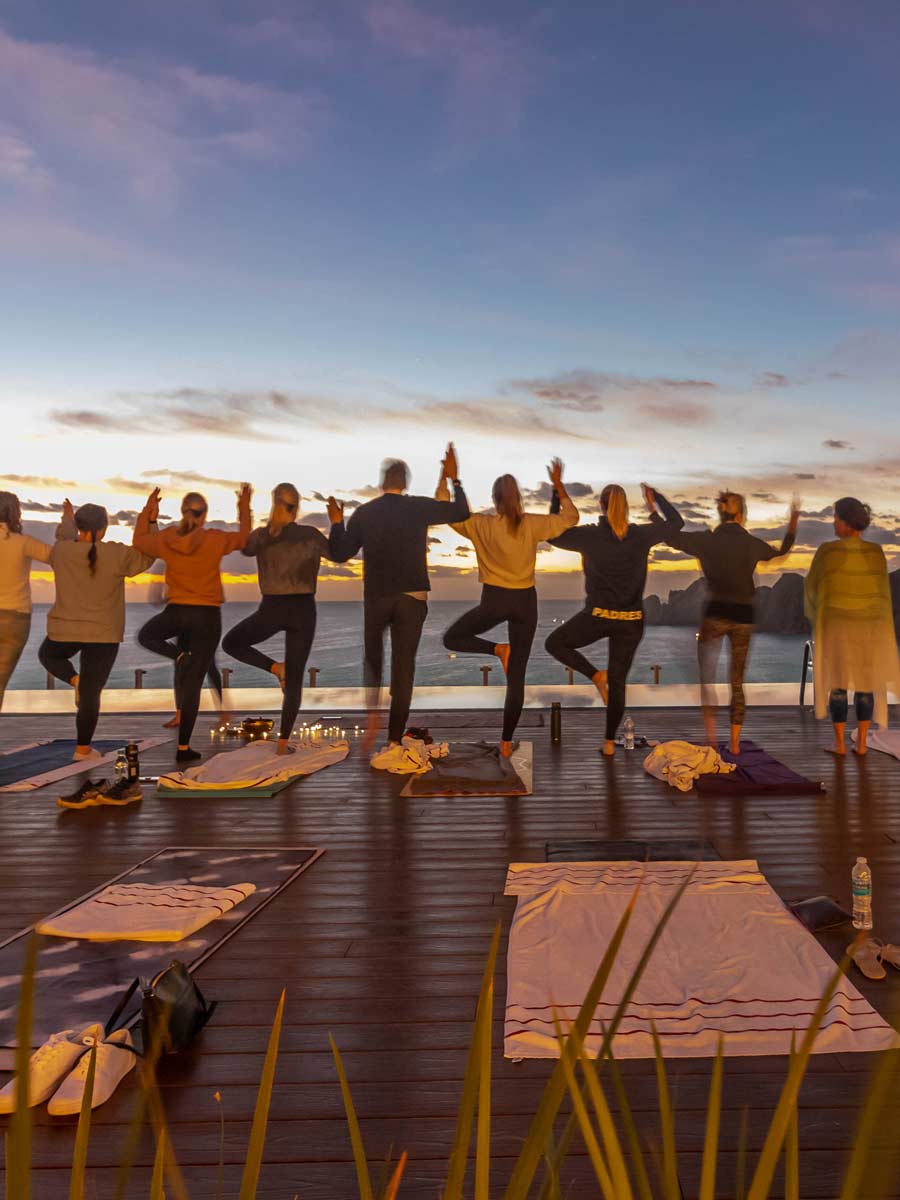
x,y
192,561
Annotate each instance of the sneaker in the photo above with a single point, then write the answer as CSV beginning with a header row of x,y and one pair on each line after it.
x,y
87,796
50,1065
188,755
120,793
114,1060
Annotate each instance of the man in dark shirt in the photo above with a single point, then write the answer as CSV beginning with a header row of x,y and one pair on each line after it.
x,y
392,533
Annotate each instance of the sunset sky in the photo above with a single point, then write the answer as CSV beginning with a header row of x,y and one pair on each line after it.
x,y
284,240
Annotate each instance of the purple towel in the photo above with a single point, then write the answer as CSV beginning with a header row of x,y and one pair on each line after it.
x,y
756,772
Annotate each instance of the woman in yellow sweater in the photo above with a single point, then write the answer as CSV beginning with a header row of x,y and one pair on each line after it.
x,y
848,602
506,543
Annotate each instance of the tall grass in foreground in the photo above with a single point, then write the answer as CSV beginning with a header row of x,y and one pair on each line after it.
x,y
625,1166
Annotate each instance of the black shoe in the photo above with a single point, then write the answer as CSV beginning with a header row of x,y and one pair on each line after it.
x,y
120,793
87,796
188,755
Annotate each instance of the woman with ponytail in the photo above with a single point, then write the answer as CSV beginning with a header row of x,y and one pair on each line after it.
x,y
506,543
88,615
188,629
848,602
614,556
17,552
288,555
729,556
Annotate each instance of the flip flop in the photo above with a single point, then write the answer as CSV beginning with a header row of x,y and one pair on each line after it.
x,y
866,955
889,953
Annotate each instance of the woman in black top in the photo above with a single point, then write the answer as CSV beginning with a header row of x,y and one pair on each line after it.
x,y
288,555
614,555
728,557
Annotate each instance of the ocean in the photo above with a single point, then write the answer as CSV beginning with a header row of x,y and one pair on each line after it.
x,y
337,651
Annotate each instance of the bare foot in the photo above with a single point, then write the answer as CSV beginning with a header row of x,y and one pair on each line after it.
x,y
370,737
284,747
608,749
277,670
600,680
506,749
502,652
82,752
861,751
735,748
840,751
173,722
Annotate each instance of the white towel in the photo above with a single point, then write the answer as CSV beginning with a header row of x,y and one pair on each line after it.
x,y
680,763
732,960
146,912
257,765
886,740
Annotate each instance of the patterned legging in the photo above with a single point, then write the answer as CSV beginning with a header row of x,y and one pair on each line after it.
x,y
709,643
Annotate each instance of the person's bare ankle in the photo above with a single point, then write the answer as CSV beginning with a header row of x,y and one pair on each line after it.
x,y
600,680
502,652
506,749
173,722
609,748
277,669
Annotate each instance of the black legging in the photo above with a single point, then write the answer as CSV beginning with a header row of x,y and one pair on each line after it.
x,y
518,607
96,662
404,616
295,617
583,630
190,634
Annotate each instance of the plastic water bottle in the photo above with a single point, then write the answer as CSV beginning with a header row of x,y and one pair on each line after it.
x,y
861,880
628,731
121,767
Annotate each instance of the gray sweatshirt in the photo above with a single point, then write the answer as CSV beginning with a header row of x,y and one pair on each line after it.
x,y
90,608
288,564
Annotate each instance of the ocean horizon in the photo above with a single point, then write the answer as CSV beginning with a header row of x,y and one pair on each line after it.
x,y
337,651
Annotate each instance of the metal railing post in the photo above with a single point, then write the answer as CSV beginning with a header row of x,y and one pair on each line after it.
x,y
570,671
807,663
139,674
51,682
226,677
485,671
313,676
656,668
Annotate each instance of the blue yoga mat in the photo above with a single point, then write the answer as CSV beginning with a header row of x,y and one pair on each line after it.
x,y
23,764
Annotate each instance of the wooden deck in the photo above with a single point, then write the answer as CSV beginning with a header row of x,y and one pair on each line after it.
x,y
382,943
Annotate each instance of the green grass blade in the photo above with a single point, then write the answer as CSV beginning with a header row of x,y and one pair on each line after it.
x,y
18,1149
864,1166
256,1144
563,1145
83,1133
157,1189
476,1090
771,1151
542,1123
583,1117
671,1189
635,1150
359,1151
713,1116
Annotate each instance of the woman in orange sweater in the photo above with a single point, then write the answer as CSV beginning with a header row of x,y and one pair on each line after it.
x,y
189,627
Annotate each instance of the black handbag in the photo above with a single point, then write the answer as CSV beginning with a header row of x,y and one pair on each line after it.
x,y
173,1010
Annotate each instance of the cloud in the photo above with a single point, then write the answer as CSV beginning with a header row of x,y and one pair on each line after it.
x,y
316,520
20,166
488,73
543,493
836,444
675,412
774,379
803,475
301,35
591,391
41,481
189,479
37,506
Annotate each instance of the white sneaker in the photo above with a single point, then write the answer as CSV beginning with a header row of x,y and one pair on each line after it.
x,y
50,1064
114,1062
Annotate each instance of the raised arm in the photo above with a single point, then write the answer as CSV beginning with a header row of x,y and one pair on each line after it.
x,y
661,527
146,536
563,513
343,542
768,551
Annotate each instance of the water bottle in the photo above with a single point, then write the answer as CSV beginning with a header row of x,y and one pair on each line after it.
x,y
555,723
628,731
121,765
861,881
132,763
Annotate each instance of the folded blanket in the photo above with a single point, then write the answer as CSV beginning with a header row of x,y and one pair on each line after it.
x,y
680,763
256,765
410,757
146,912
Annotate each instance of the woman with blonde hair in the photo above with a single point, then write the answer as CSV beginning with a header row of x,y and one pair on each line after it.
x,y
506,543
729,556
188,629
288,555
614,557
17,552
848,601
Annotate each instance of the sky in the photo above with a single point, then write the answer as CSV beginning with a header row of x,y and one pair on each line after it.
x,y
282,241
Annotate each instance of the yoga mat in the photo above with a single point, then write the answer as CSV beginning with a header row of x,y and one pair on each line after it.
x,y
756,772
475,769
78,982
631,851
732,960
41,763
248,793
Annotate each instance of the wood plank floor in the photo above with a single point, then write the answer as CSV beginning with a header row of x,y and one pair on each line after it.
x,y
382,943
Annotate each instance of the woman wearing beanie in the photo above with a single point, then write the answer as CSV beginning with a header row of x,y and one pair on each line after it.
x,y
17,552
88,616
848,601
188,629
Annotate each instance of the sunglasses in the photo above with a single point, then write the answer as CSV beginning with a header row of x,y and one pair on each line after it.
x,y
195,512
287,504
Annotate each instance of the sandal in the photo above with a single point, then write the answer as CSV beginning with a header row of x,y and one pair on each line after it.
x,y
890,954
867,956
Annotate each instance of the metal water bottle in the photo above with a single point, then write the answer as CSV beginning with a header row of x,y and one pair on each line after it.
x,y
628,732
134,764
555,723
